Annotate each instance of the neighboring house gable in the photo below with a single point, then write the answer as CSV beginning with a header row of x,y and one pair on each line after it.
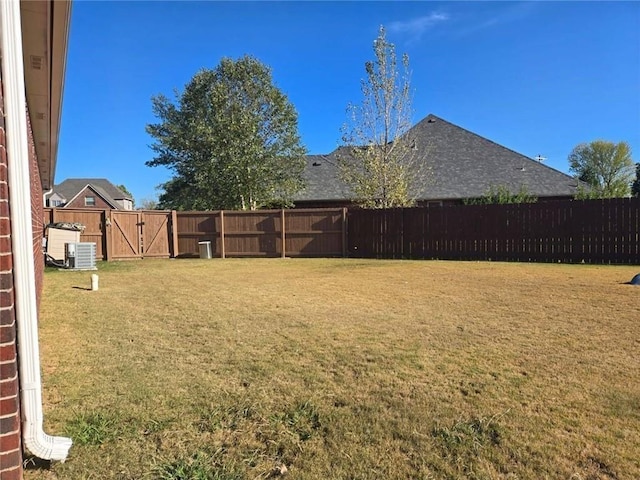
x,y
90,197
458,165
56,200
90,193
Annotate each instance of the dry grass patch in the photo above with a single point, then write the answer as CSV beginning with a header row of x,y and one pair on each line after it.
x,y
343,369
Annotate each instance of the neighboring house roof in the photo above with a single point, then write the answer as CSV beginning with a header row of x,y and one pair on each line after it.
x,y
458,164
322,180
72,187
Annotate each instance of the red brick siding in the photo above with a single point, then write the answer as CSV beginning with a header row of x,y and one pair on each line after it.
x,y
88,192
10,443
37,213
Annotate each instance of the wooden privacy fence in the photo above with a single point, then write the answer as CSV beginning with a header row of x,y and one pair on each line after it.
x,y
271,233
122,234
591,231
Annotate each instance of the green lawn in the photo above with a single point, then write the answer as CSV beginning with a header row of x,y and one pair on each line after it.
x,y
342,369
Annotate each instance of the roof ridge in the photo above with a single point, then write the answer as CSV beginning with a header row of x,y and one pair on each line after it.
x,y
84,178
106,185
493,142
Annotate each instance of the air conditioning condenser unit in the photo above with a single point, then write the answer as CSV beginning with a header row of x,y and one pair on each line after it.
x,y
80,255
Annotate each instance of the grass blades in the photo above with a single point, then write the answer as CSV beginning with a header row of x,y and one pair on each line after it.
x,y
95,428
199,466
342,369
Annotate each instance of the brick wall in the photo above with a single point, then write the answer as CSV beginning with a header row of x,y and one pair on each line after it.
x,y
37,213
79,202
10,443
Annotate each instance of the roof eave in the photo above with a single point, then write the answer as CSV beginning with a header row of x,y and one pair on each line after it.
x,y
45,35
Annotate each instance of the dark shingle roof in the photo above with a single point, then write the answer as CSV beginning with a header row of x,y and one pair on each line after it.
x,y
72,186
321,178
459,164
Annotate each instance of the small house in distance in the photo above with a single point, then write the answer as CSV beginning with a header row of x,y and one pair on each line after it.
x,y
88,193
458,165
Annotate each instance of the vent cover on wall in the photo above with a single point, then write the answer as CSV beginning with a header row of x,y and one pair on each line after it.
x,y
36,62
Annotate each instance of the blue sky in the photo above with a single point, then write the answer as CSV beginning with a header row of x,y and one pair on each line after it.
x,y
536,77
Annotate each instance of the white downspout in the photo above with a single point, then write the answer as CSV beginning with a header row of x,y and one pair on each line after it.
x,y
44,197
35,440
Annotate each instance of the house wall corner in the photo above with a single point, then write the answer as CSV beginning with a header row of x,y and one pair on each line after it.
x,y
10,424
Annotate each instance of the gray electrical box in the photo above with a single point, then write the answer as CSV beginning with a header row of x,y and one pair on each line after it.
x,y
205,249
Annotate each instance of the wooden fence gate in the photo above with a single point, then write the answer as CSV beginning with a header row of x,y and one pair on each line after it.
x,y
122,234
156,234
126,234
138,234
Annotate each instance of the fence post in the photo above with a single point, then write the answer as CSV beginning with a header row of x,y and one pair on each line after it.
x,y
282,233
174,234
107,236
344,232
222,250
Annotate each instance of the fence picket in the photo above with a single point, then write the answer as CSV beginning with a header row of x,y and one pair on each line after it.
x,y
591,231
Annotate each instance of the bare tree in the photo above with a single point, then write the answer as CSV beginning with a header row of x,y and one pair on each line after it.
x,y
148,203
377,160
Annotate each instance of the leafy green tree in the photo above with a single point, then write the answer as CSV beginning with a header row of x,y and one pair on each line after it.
x,y
635,186
606,166
378,162
231,139
502,195
125,190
